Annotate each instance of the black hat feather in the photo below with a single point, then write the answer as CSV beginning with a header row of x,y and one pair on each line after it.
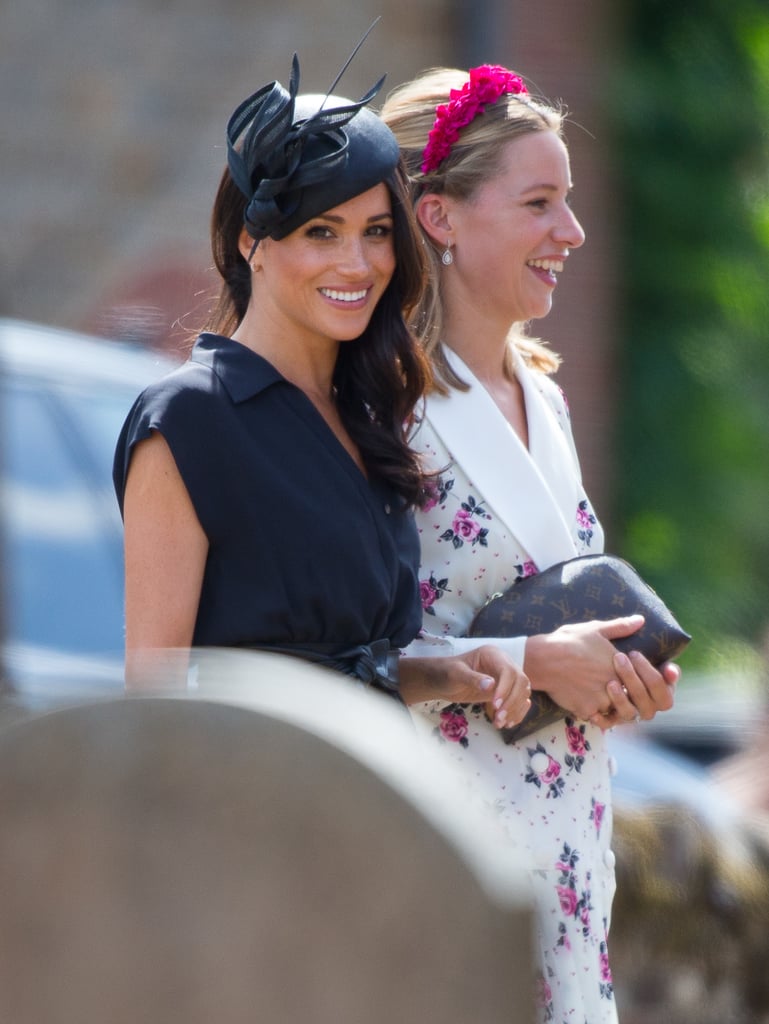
x,y
294,157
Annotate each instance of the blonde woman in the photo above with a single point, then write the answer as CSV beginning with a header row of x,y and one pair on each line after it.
x,y
491,183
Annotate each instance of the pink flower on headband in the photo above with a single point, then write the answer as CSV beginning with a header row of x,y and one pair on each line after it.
x,y
487,83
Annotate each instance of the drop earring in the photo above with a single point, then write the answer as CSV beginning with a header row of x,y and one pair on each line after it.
x,y
446,257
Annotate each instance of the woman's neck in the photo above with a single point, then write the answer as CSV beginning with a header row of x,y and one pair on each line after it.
x,y
304,362
484,356
478,338
494,372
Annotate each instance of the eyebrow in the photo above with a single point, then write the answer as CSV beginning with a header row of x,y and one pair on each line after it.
x,y
334,219
547,187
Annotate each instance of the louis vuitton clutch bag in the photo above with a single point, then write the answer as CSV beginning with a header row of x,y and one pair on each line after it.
x,y
579,590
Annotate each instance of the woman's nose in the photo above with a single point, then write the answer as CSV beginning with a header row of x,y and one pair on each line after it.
x,y
353,259
570,230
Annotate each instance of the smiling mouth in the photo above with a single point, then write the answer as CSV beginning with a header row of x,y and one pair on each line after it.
x,y
337,296
554,266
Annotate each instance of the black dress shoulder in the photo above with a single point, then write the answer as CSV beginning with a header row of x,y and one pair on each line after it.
x,y
303,549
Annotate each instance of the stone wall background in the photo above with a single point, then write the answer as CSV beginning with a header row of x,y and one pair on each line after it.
x,y
112,117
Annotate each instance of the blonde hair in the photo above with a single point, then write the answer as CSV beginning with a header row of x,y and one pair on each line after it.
x,y
475,157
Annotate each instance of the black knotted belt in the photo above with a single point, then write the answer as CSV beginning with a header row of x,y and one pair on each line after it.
x,y
373,665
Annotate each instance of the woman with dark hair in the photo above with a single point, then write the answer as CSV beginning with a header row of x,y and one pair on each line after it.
x,y
266,485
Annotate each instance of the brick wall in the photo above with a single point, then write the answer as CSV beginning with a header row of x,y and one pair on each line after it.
x,y
112,117
569,55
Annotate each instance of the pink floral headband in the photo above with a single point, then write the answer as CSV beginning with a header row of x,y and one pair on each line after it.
x,y
487,83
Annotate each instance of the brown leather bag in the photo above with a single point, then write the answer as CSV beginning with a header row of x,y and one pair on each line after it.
x,y
580,590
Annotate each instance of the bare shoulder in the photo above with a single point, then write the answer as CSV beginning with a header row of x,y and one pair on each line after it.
x,y
154,481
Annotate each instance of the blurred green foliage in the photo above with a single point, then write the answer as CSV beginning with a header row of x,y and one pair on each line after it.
x,y
691,124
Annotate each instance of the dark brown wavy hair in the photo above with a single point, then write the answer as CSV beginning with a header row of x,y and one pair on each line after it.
x,y
382,376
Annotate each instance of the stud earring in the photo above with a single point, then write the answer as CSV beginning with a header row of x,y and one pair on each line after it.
x,y
446,258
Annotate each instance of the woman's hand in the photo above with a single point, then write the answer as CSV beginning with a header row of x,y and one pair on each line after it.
x,y
485,675
639,690
580,668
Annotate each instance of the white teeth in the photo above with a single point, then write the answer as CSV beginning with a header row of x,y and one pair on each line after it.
x,y
555,265
332,293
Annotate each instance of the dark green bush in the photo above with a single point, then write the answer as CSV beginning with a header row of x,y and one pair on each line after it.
x,y
691,123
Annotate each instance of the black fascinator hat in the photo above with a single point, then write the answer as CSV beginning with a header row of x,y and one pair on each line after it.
x,y
293,157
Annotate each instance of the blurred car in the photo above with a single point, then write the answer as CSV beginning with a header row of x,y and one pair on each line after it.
x,y
647,773
715,714
63,399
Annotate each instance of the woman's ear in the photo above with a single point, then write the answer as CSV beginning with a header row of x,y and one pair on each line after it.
x,y
434,215
250,254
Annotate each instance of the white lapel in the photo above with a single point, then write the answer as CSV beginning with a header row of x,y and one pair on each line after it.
x,y
550,449
503,470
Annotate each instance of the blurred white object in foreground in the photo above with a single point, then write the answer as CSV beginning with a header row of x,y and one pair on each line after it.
x,y
272,846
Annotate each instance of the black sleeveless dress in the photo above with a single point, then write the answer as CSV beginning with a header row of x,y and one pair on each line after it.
x,y
305,553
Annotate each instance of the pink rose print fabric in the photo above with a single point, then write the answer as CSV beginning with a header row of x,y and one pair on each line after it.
x,y
550,792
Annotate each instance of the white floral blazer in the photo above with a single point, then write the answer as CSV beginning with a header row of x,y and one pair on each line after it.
x,y
498,511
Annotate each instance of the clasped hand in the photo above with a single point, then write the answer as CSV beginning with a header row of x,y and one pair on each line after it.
x,y
577,666
485,675
582,671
